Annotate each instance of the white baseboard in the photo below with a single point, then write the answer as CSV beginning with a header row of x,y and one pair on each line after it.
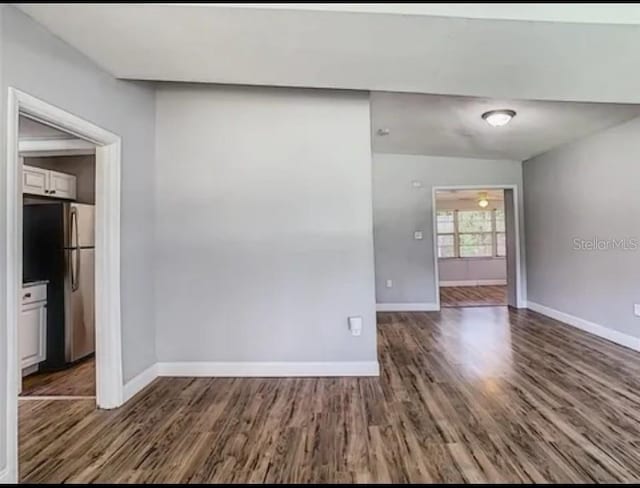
x,y
407,307
473,283
140,382
6,477
269,369
591,327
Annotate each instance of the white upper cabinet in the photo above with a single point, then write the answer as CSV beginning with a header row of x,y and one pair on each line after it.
x,y
44,182
62,185
35,180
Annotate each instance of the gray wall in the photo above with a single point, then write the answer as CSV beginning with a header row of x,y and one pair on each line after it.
x,y
473,269
399,209
82,167
585,190
264,224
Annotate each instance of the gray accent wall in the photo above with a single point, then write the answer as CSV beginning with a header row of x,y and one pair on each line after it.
x,y
263,243
400,208
587,190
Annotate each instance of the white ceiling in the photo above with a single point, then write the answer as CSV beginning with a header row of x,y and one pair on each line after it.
x,y
326,48
596,13
440,125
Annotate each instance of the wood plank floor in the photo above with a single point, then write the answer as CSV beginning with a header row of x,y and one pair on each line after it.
x,y
79,380
465,395
473,296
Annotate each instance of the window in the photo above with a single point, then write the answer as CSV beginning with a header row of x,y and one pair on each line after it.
x,y
446,234
471,233
501,241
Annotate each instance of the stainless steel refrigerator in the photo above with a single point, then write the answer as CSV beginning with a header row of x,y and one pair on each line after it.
x,y
59,247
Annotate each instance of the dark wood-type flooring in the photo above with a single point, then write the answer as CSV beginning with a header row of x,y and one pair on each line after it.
x,y
473,296
465,395
79,380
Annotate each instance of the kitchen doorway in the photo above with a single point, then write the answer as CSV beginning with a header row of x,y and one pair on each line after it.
x,y
56,326
109,379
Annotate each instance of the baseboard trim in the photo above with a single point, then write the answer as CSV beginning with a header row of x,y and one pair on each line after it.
x,y
407,307
473,283
140,382
268,369
6,478
587,326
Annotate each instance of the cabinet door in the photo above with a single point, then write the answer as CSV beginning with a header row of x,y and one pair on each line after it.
x,y
62,185
32,334
34,180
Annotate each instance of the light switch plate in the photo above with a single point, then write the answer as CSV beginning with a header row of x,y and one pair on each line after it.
x,y
389,284
417,235
636,309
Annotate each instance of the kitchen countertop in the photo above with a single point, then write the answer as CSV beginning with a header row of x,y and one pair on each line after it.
x,y
34,283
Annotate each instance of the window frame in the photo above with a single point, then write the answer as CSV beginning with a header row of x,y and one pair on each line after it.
x,y
456,235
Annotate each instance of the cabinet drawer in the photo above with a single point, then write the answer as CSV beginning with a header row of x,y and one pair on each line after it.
x,y
31,294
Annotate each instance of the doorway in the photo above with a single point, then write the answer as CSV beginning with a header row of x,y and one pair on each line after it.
x,y
476,244
56,326
108,366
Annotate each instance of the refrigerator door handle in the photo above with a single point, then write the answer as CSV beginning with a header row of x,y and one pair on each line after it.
x,y
75,269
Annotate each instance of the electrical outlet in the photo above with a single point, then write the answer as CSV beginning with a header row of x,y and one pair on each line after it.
x,y
355,325
417,235
416,184
389,283
636,309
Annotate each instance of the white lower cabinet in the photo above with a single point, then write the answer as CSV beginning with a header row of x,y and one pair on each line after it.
x,y
32,333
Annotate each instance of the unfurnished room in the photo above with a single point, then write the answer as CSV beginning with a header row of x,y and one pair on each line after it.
x,y
319,243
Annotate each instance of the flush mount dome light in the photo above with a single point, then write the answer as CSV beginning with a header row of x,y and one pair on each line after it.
x,y
483,199
498,118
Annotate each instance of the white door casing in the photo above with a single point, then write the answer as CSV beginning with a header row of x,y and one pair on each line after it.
x,y
109,376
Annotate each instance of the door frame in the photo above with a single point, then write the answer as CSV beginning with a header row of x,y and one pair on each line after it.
x,y
109,376
521,301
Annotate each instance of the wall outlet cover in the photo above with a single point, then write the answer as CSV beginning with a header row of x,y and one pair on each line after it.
x,y
355,325
636,309
416,184
417,235
389,284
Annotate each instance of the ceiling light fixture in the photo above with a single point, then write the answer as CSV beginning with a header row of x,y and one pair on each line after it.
x,y
498,118
483,199
384,131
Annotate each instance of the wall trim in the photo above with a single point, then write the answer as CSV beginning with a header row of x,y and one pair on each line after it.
x,y
239,369
407,307
587,326
5,477
109,379
473,283
138,383
55,147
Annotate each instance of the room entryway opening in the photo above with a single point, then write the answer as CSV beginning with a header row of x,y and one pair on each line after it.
x,y
476,246
62,319
56,326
